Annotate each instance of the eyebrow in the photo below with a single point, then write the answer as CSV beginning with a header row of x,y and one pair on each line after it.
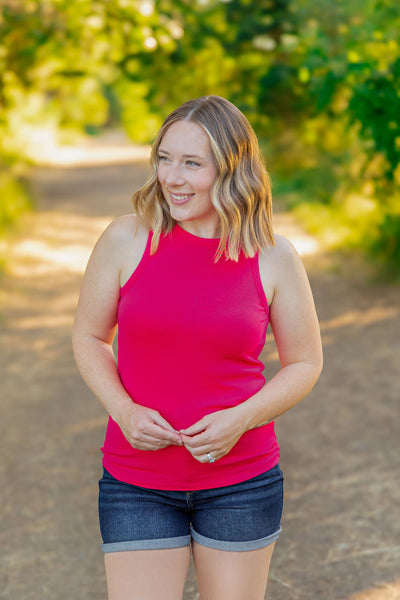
x,y
184,156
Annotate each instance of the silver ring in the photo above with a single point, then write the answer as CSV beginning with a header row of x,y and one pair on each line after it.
x,y
210,457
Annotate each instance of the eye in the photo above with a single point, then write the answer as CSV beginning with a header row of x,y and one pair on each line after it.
x,y
162,158
192,163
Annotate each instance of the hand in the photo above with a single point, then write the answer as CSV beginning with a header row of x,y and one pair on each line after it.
x,y
145,429
214,434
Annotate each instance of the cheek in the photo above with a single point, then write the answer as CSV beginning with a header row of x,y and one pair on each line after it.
x,y
209,181
204,182
207,186
162,173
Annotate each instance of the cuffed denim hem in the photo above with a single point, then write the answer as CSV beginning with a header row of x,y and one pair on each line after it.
x,y
236,546
156,544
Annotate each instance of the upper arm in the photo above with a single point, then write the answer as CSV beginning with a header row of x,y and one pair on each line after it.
x,y
96,314
293,316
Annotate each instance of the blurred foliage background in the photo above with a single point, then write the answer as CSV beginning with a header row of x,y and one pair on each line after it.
x,y
319,81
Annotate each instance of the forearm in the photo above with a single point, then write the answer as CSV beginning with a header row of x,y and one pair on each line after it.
x,y
96,363
144,428
288,387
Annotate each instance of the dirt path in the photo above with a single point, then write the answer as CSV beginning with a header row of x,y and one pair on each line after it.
x,y
340,447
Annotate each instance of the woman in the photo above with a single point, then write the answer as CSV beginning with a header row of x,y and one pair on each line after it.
x,y
192,280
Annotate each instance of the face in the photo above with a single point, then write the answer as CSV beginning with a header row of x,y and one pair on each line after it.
x,y
186,172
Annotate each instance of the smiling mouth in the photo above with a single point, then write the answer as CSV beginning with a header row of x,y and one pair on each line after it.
x,y
180,198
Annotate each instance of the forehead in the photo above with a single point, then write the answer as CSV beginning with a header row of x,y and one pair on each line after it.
x,y
186,137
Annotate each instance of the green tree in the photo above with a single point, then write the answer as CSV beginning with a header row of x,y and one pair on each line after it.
x,y
319,82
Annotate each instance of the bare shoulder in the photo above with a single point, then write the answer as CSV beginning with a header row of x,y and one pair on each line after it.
x,y
126,234
280,259
126,229
280,265
120,247
126,240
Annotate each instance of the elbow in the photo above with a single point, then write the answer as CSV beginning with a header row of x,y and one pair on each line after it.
x,y
319,363
77,344
312,370
317,366
86,340
311,374
76,336
80,340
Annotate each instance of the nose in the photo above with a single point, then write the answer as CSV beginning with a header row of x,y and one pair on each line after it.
x,y
174,175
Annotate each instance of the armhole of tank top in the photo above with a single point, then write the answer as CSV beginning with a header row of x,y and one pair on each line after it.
x,y
257,279
128,284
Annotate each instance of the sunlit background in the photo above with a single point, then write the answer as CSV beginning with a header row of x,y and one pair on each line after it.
x,y
318,80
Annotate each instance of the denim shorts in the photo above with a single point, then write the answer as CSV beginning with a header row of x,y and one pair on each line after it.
x,y
239,517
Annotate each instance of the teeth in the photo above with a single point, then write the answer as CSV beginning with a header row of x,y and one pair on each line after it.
x,y
181,197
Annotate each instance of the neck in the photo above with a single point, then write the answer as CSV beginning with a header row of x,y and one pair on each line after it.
x,y
210,231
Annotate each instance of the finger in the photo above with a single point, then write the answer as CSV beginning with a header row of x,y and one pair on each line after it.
x,y
159,420
168,432
147,441
194,429
195,445
196,442
202,450
148,446
205,437
157,434
204,458
150,438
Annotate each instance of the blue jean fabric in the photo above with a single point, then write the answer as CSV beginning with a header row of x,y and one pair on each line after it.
x,y
243,516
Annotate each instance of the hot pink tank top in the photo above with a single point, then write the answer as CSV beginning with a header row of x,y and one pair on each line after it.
x,y
190,332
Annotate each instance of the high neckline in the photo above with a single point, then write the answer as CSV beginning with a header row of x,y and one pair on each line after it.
x,y
196,238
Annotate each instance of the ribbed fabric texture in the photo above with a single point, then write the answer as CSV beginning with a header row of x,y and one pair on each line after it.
x,y
190,332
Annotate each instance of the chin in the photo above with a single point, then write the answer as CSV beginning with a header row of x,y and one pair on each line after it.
x,y
178,216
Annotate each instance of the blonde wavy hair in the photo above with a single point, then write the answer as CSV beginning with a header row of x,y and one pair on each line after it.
x,y
241,193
